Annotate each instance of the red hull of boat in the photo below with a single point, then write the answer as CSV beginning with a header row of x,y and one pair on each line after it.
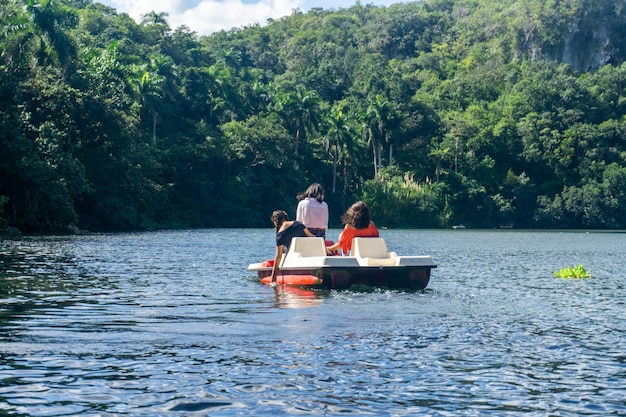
x,y
344,278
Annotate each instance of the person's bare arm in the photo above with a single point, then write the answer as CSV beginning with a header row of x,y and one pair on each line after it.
x,y
277,258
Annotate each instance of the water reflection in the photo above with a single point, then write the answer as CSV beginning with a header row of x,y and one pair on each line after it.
x,y
295,297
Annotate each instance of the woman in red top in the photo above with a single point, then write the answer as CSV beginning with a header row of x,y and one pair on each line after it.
x,y
358,223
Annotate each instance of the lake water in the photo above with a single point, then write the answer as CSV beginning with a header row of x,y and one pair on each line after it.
x,y
170,324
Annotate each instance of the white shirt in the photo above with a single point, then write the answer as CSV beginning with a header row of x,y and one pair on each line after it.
x,y
312,213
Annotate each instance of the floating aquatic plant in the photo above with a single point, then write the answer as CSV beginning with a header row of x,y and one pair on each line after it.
x,y
575,272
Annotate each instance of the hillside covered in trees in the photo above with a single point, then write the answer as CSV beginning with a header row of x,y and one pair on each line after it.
x,y
487,113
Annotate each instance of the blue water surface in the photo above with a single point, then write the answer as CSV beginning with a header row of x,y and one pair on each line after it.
x,y
170,323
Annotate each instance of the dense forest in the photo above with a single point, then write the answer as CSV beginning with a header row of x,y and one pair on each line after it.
x,y
486,113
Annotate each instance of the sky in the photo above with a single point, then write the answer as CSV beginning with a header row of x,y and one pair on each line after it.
x,y
208,16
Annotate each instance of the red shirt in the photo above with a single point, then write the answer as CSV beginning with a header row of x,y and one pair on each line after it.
x,y
349,233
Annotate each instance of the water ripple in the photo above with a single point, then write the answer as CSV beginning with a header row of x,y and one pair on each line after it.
x,y
168,323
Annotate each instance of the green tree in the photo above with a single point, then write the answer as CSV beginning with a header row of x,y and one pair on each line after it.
x,y
148,88
340,142
38,33
301,112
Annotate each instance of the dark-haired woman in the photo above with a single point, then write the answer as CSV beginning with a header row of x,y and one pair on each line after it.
x,y
312,210
286,230
358,223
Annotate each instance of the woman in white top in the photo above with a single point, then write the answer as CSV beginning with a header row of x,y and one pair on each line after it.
x,y
312,210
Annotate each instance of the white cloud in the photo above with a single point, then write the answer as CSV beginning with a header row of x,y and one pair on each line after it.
x,y
208,16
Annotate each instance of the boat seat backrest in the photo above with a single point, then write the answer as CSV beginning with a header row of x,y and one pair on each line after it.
x,y
308,246
370,247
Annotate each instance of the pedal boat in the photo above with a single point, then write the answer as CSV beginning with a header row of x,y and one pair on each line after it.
x,y
370,264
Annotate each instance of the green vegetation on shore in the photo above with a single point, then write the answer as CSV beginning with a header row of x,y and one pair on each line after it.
x,y
478,112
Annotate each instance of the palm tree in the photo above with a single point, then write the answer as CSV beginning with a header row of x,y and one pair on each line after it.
x,y
339,139
395,128
164,66
210,92
375,131
39,28
301,110
155,28
220,88
384,122
154,18
148,87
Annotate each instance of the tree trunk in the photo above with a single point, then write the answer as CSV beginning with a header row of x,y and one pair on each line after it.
x,y
297,142
154,123
335,169
375,158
